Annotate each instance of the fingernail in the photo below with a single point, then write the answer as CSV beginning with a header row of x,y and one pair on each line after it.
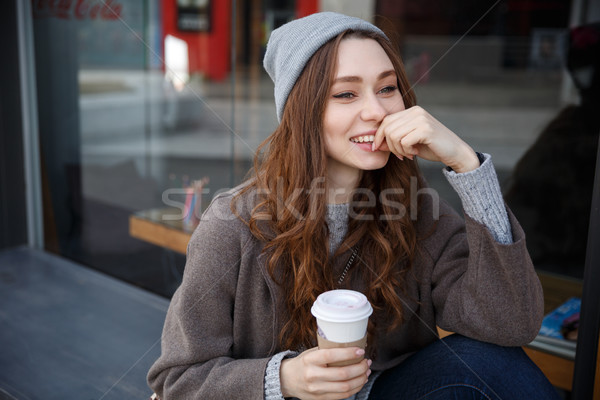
x,y
369,362
360,352
401,158
373,146
368,372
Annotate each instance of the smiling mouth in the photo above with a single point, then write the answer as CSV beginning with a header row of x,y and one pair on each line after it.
x,y
363,139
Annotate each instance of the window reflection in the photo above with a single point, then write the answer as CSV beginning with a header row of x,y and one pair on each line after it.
x,y
147,102
550,189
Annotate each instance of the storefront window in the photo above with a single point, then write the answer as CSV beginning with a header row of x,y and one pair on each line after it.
x,y
497,75
516,80
136,105
147,109
506,90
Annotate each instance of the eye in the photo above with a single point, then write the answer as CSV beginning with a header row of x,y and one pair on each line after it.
x,y
344,95
388,89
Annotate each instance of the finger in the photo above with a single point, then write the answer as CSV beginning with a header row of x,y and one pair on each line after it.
x,y
330,356
380,134
349,387
348,372
336,390
395,128
383,146
409,135
394,135
395,148
416,111
407,150
414,140
382,142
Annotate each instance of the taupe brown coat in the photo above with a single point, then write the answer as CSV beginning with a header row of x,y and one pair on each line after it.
x,y
223,322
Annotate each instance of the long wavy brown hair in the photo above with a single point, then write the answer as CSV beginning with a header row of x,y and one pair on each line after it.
x,y
290,214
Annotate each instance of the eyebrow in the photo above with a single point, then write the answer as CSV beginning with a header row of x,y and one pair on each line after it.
x,y
382,75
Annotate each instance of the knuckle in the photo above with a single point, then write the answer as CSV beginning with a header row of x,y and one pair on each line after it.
x,y
305,363
343,374
345,387
309,376
327,355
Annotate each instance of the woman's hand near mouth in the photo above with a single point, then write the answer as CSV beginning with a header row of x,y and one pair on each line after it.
x,y
415,132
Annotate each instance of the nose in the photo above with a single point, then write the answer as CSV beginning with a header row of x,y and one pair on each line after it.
x,y
373,109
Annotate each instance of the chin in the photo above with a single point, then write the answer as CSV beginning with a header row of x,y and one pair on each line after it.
x,y
375,163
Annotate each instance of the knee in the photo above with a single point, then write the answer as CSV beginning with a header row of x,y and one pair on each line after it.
x,y
491,360
458,391
467,347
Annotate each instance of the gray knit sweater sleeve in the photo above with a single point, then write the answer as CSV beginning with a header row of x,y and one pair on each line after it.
x,y
272,381
482,200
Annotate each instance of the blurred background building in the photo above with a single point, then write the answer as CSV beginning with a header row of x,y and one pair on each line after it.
x,y
120,107
138,97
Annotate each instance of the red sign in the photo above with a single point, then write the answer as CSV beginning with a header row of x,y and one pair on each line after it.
x,y
78,9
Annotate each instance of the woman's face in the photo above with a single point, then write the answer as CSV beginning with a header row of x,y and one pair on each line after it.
x,y
364,90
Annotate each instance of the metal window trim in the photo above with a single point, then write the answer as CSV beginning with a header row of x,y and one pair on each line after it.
x,y
586,358
29,112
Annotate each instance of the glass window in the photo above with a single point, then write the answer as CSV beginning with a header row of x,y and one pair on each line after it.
x,y
136,106
497,76
514,81
147,109
139,104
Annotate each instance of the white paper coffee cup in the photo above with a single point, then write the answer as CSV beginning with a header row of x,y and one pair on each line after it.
x,y
342,315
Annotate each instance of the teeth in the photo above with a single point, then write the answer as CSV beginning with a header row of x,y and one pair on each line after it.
x,y
363,139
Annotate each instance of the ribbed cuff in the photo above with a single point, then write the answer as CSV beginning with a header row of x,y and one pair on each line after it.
x,y
481,198
272,381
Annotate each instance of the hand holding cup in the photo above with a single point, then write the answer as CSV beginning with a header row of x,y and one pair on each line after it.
x,y
337,368
310,376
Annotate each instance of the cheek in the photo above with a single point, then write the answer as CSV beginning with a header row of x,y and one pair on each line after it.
x,y
334,125
333,140
328,134
395,104
327,143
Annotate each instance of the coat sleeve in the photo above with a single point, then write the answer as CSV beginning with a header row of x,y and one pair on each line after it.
x,y
483,289
196,360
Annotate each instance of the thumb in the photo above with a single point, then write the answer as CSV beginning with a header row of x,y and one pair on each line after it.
x,y
383,146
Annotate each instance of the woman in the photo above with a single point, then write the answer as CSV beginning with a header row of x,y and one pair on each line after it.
x,y
337,201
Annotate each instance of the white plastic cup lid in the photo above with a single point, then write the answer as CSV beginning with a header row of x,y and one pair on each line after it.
x,y
341,305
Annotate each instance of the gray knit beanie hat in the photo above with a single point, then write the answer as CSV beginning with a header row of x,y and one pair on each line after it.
x,y
293,44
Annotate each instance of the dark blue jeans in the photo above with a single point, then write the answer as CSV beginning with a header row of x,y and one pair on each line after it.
x,y
460,368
